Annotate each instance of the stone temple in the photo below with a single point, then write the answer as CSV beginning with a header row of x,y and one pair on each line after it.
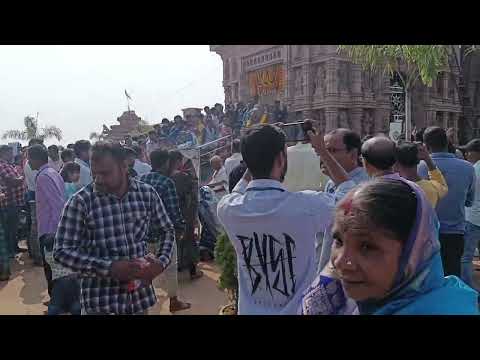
x,y
314,81
129,122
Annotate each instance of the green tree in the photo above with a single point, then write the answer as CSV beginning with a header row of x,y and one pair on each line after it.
x,y
32,131
411,62
226,259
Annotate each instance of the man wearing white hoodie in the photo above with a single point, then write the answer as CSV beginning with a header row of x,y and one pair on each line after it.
x,y
273,230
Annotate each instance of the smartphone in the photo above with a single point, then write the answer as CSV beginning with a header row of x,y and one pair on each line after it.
x,y
297,131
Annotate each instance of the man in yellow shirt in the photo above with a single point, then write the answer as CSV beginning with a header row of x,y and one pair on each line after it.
x,y
408,155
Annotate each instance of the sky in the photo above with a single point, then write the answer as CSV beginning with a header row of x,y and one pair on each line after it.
x,y
80,88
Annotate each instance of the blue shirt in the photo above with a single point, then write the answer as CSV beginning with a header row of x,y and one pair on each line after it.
x,y
357,175
165,187
460,177
472,214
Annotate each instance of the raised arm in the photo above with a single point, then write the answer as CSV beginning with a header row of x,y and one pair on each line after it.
x,y
337,172
435,175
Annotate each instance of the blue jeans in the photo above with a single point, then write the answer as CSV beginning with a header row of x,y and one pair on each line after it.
x,y
472,236
65,296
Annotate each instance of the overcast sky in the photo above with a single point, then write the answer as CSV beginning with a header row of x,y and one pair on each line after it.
x,y
79,88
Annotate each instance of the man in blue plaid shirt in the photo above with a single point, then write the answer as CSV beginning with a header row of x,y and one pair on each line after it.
x,y
103,235
165,187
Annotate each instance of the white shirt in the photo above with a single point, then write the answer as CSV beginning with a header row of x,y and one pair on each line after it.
x,y
57,165
85,173
232,162
141,168
220,176
58,270
303,171
472,214
273,232
30,176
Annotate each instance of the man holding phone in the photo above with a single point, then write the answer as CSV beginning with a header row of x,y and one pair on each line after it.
x,y
408,157
272,229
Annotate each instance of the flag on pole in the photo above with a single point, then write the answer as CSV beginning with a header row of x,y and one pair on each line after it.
x,y
128,96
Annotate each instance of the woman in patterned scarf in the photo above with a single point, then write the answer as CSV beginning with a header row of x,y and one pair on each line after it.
x,y
386,258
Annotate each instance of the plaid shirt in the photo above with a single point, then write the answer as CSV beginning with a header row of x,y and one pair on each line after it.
x,y
165,187
98,228
15,195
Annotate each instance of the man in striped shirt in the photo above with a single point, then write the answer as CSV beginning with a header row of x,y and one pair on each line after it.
x,y
103,235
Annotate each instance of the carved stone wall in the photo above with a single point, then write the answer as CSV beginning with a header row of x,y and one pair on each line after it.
x,y
316,81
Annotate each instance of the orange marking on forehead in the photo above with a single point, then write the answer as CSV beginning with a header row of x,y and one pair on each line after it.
x,y
347,205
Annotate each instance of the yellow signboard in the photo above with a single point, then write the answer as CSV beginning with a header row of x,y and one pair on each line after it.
x,y
266,81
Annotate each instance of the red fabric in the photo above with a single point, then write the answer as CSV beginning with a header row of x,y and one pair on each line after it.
x,y
15,195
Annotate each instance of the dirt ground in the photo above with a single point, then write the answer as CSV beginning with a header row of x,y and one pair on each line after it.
x,y
26,291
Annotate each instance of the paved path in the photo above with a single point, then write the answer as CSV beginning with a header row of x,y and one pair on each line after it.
x,y
26,291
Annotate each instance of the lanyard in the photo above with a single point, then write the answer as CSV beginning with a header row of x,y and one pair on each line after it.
x,y
265,189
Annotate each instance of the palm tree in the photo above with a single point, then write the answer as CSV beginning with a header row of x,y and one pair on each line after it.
x,y
31,131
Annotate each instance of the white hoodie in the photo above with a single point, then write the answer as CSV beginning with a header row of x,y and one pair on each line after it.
x,y
273,232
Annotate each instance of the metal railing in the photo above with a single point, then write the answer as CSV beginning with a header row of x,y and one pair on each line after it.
x,y
209,149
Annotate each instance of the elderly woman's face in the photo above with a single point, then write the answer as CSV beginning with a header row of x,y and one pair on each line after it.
x,y
365,258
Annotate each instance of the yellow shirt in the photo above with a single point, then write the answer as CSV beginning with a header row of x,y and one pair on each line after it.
x,y
435,188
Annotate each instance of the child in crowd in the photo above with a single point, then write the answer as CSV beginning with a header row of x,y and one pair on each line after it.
x,y
71,175
65,296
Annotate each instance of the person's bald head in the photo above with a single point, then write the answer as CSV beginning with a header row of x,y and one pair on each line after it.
x,y
378,154
216,162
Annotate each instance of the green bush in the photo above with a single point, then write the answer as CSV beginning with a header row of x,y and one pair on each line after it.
x,y
226,259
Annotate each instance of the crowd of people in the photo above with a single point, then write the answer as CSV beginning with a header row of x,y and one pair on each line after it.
x,y
214,123
393,232
88,206
333,225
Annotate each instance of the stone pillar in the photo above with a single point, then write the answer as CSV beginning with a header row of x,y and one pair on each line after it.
x,y
356,80
382,120
331,119
445,85
356,119
445,119
226,69
456,117
429,118
287,74
306,80
331,69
